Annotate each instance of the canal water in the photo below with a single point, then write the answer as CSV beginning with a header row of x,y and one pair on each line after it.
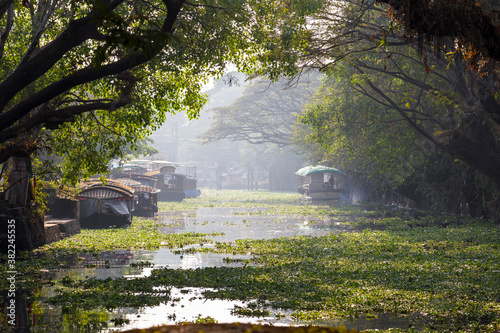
x,y
190,305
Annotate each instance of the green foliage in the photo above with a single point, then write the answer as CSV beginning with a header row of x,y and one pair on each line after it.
x,y
250,311
171,67
386,116
205,320
361,136
442,270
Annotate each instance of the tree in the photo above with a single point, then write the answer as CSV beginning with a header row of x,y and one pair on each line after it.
x,y
265,113
469,27
399,88
384,153
87,77
264,118
471,32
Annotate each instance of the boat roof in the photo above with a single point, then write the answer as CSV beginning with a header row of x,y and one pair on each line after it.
x,y
136,186
158,172
146,189
139,176
128,182
309,170
152,173
112,189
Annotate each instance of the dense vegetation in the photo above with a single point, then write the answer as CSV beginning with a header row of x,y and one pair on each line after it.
x,y
442,271
81,79
412,117
409,109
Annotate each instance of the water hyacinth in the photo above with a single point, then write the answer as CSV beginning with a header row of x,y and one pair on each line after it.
x,y
441,272
142,234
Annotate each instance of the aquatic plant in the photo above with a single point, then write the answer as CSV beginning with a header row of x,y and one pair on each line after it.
x,y
142,234
443,271
448,276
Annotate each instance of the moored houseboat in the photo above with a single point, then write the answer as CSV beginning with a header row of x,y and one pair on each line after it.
x,y
322,183
105,205
144,179
145,197
190,188
170,184
174,186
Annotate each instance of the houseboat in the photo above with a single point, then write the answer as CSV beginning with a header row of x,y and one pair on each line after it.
x,y
170,184
144,179
322,183
145,197
190,188
105,205
174,186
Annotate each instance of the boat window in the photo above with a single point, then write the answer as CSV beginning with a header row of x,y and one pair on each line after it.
x,y
326,177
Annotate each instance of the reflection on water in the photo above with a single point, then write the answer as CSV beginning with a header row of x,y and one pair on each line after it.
x,y
189,303
167,258
382,322
240,223
105,259
189,306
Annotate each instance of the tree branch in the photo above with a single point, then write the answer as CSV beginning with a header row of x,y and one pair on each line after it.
x,y
77,32
401,112
4,6
46,115
8,26
90,74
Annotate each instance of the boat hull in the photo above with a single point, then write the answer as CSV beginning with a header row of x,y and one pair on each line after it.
x,y
330,195
104,221
105,213
166,195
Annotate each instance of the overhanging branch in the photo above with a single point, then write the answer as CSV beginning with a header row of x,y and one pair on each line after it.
x,y
45,115
88,74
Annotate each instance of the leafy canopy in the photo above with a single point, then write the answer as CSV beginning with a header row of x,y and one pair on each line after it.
x,y
82,79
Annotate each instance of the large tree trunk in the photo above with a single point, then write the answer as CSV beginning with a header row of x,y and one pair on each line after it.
x,y
18,218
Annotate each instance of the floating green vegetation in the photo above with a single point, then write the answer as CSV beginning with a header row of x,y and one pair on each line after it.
x,y
108,294
199,320
263,203
443,271
142,234
233,198
448,276
250,312
120,321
